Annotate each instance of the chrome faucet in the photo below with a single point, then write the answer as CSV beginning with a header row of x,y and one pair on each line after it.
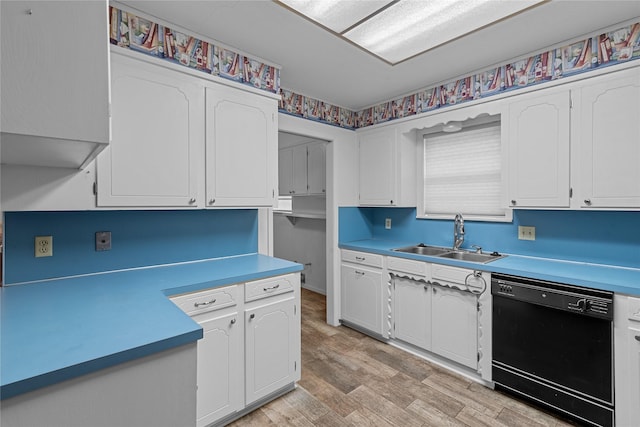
x,y
458,232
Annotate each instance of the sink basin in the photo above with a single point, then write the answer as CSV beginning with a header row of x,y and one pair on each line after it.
x,y
424,250
441,252
471,256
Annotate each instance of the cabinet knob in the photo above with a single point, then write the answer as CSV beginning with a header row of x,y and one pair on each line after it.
x,y
637,337
426,287
252,316
587,202
233,321
390,202
212,201
192,201
513,202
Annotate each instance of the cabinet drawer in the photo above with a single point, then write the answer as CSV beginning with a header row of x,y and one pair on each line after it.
x,y
268,287
633,305
459,276
209,300
408,266
363,258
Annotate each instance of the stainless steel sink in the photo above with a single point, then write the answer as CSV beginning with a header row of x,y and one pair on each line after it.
x,y
440,252
471,256
424,250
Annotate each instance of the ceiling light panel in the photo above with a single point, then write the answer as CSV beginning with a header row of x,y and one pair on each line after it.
x,y
410,27
336,15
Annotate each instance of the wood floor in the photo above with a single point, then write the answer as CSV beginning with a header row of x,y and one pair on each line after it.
x,y
349,379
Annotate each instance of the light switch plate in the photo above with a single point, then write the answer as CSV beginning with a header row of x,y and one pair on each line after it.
x,y
387,223
526,233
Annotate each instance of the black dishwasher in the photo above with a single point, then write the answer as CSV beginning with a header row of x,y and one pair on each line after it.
x,y
553,343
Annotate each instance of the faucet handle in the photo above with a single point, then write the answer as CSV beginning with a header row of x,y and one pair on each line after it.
x,y
477,248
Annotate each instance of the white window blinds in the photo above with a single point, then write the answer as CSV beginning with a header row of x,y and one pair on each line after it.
x,y
462,173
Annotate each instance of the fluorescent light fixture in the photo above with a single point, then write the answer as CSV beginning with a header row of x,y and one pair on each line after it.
x,y
398,30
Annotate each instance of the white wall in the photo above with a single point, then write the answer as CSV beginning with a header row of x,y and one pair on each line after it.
x,y
303,240
342,190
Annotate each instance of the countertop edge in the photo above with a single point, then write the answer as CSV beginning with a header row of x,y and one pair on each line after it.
x,y
70,372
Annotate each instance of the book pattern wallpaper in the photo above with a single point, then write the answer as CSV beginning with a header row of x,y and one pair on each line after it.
x,y
137,33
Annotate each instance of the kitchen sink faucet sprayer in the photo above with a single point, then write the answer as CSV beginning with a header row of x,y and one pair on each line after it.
x,y
458,232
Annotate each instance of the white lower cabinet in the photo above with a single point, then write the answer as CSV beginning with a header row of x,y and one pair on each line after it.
x,y
627,360
250,347
219,368
412,311
270,344
432,307
362,297
454,327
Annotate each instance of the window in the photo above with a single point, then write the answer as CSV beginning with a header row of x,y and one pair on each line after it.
x,y
462,173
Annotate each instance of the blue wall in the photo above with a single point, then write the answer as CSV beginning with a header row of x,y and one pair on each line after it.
x,y
139,238
586,236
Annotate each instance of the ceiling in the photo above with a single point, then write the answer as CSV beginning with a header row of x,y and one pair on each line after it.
x,y
319,64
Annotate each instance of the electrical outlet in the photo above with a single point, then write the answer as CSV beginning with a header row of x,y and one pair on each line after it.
x,y
387,223
103,240
43,246
526,233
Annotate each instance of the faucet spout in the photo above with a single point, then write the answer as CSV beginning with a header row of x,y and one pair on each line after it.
x,y
458,232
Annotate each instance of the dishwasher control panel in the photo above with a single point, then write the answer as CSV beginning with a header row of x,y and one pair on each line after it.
x,y
585,301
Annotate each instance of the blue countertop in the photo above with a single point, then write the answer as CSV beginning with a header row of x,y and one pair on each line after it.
x,y
597,276
59,329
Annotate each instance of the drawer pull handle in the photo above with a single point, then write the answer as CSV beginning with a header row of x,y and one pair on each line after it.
x,y
360,258
252,316
271,288
233,321
360,273
200,304
637,337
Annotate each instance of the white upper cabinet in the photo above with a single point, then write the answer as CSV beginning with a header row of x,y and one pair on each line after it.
x,y
292,170
301,169
316,168
606,130
184,142
155,157
241,148
55,82
539,150
577,147
387,168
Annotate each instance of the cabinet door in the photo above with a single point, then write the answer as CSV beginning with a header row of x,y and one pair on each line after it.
x,y
378,167
299,185
607,132
316,168
285,171
362,297
270,348
54,93
632,396
155,156
220,370
241,148
455,325
412,312
539,151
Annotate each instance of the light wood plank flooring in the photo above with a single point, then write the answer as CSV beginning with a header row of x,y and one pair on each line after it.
x,y
349,379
